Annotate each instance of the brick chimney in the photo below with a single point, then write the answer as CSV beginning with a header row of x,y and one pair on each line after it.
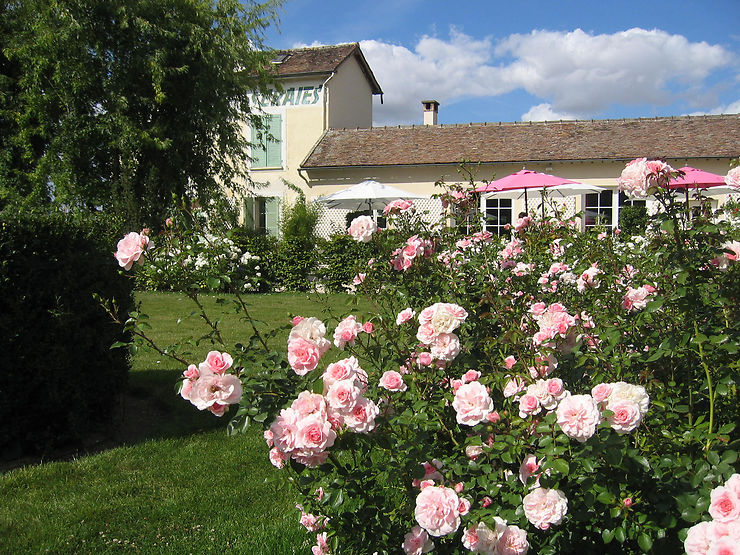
x,y
431,108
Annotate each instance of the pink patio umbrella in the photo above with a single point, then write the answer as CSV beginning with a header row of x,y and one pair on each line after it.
x,y
523,180
696,179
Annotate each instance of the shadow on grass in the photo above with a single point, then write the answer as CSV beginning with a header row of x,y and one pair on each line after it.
x,y
150,409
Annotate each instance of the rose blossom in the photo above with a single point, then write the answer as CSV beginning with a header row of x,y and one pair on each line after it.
x,y
437,510
732,179
417,542
724,546
314,435
321,547
528,405
626,416
509,362
397,206
303,356
578,416
722,262
424,359
311,329
636,393
361,418
392,381
513,386
362,228
343,395
130,249
472,404
698,539
277,457
601,392
637,299
443,317
725,505
512,542
446,346
404,316
213,389
346,332
347,368
473,451
218,363
529,466
544,507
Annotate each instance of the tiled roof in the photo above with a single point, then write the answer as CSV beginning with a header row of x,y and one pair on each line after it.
x,y
321,60
625,139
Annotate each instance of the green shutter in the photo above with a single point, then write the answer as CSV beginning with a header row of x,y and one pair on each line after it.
x,y
275,143
271,216
249,213
259,154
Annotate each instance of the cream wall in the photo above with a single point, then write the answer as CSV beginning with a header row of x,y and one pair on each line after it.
x,y
350,97
421,179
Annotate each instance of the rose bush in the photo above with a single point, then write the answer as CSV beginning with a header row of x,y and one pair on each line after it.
x,y
545,392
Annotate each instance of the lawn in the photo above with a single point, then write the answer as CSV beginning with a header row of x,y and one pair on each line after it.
x,y
174,482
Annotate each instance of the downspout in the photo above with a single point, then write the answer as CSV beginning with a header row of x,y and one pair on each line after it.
x,y
326,100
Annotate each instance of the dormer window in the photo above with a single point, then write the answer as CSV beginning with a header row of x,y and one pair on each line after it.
x,y
280,58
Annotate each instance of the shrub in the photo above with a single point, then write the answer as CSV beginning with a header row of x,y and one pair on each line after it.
x,y
343,258
296,254
633,220
61,379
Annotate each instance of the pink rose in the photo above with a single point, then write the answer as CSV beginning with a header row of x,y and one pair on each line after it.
x,y
509,362
362,228
626,416
219,363
397,206
470,376
733,484
392,381
601,392
131,248
358,279
214,389
513,386
404,316
277,457
732,179
512,542
529,466
346,332
303,356
437,510
343,395
296,320
578,416
314,435
446,346
340,370
725,505
725,545
368,327
417,542
361,419
308,403
321,547
312,330
544,507
424,359
731,253
528,405
486,501
472,404
698,539
637,299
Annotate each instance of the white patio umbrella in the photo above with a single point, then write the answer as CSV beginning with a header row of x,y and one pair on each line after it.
x,y
366,195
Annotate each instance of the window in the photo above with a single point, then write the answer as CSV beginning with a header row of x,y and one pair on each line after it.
x,y
262,214
599,209
267,145
498,215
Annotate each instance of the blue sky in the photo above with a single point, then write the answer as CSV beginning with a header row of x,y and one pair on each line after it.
x,y
533,59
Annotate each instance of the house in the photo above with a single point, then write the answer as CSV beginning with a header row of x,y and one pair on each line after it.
x,y
324,118
328,87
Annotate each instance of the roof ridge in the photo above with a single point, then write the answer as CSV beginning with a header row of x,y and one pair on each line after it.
x,y
562,121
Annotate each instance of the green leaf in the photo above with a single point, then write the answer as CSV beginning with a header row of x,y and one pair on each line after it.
x,y
607,535
645,542
561,466
619,534
605,497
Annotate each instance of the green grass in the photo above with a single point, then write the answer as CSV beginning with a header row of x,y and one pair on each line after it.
x,y
175,483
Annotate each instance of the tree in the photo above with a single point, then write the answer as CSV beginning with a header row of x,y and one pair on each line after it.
x,y
122,104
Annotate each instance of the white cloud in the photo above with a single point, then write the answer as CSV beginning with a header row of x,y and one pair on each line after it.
x,y
544,112
577,74
732,108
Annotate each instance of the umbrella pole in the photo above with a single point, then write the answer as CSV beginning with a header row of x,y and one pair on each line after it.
x,y
526,204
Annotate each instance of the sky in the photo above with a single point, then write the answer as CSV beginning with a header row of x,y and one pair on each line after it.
x,y
532,60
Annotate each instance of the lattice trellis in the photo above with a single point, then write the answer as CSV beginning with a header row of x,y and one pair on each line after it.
x,y
333,221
